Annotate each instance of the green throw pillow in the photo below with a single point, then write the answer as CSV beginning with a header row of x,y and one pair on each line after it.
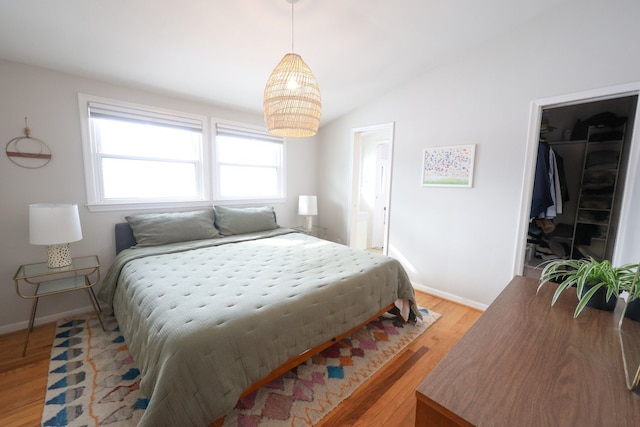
x,y
162,228
244,220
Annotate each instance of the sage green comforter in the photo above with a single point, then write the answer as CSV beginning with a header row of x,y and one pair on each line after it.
x,y
206,319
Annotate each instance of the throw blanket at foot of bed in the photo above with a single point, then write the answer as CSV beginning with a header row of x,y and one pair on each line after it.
x,y
205,323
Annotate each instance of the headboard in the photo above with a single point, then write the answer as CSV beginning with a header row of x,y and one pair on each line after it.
x,y
124,237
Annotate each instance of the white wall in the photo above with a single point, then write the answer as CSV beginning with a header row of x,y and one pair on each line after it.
x,y
50,101
461,242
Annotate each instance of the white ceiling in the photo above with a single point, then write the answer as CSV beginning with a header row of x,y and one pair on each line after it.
x,y
222,51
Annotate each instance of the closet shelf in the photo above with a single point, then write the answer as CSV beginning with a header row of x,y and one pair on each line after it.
x,y
596,198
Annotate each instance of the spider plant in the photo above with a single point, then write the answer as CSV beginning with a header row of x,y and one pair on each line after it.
x,y
633,304
631,281
588,276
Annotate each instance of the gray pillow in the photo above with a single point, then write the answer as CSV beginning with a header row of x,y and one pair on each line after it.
x,y
244,220
161,228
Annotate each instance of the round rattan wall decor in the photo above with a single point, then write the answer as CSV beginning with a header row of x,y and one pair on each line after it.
x,y
28,152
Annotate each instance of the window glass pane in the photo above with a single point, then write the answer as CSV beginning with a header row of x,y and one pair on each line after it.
x,y
246,181
125,179
248,151
136,139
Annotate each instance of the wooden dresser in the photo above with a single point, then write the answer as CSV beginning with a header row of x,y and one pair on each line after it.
x,y
525,363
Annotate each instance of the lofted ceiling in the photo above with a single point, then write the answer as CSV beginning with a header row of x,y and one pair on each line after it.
x,y
222,51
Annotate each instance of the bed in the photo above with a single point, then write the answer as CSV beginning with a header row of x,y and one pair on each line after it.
x,y
213,302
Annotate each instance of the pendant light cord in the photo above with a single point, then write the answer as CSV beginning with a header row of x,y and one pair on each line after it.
x,y
292,21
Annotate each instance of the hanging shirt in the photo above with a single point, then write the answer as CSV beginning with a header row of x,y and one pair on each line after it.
x,y
541,197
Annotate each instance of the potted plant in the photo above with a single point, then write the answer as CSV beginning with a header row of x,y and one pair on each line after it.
x,y
633,304
598,283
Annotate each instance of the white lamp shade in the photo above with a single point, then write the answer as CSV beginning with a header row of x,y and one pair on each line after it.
x,y
53,224
308,205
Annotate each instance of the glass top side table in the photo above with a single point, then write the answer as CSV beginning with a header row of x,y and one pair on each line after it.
x,y
37,280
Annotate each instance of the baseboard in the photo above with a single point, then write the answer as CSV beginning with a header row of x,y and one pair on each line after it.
x,y
43,320
449,297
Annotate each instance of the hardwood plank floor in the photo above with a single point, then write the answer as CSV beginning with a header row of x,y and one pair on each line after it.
x,y
387,399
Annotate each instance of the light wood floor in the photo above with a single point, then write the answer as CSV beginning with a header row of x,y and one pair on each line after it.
x,y
387,399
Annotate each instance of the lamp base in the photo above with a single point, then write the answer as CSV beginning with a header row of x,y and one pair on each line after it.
x,y
58,256
308,222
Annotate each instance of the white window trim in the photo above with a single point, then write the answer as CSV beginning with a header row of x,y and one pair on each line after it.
x,y
214,168
93,186
95,201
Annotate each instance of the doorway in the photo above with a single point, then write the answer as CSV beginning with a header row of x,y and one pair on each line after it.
x,y
371,184
579,130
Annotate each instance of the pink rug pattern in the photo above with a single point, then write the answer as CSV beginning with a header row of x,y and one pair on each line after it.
x,y
304,395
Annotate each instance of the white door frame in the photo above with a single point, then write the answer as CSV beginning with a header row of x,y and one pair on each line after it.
x,y
356,151
535,116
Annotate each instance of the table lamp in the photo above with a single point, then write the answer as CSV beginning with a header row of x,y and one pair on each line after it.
x,y
54,225
308,207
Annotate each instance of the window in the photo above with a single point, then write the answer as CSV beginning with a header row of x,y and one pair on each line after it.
x,y
145,157
137,154
248,164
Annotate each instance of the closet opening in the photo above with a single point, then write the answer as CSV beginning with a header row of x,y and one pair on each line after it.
x,y
579,181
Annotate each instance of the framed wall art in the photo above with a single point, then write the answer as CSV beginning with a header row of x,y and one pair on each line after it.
x,y
448,166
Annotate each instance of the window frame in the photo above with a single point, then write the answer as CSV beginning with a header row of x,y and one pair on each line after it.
x,y
208,176
92,157
260,133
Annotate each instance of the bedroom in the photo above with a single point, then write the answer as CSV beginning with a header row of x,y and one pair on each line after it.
x,y
460,243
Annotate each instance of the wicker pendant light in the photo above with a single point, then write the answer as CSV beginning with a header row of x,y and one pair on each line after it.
x,y
292,103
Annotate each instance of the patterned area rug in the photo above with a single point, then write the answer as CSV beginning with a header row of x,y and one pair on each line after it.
x,y
93,380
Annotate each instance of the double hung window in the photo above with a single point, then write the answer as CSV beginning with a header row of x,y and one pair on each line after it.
x,y
248,164
139,156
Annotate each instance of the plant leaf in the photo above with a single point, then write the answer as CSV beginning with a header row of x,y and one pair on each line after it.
x,y
585,299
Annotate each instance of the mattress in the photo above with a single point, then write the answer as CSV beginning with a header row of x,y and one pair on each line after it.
x,y
204,320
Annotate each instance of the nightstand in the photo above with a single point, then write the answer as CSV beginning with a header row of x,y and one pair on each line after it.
x,y
38,280
315,231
